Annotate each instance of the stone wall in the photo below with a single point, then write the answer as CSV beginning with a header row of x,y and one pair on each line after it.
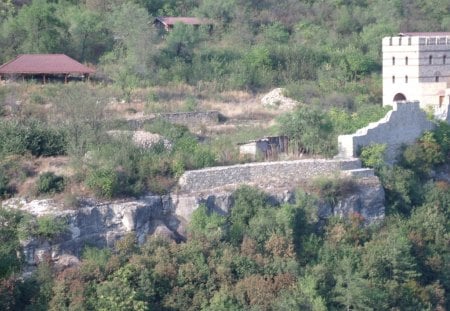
x,y
402,125
190,119
275,174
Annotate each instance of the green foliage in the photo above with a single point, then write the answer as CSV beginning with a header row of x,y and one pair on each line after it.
x,y
49,182
423,156
31,136
333,189
373,156
309,129
10,260
442,137
402,187
104,182
348,123
209,224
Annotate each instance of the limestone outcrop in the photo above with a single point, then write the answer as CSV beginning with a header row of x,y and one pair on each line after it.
x,y
101,224
276,99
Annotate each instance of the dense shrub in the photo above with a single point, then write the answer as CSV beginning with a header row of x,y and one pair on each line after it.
x,y
104,182
49,226
31,136
49,182
373,156
331,189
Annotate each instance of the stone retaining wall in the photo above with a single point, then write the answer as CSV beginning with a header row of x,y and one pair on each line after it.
x,y
276,174
190,119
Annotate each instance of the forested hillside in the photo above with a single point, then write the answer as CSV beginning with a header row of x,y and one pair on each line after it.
x,y
262,257
254,44
327,54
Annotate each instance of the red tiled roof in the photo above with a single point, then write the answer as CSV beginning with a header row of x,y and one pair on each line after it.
x,y
425,34
184,20
44,64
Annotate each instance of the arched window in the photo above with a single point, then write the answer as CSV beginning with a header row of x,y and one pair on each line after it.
x,y
430,59
444,59
393,60
406,60
406,79
393,79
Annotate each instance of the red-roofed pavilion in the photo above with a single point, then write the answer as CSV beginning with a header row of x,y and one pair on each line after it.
x,y
45,65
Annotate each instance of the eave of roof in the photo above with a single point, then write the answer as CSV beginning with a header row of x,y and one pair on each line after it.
x,y
44,64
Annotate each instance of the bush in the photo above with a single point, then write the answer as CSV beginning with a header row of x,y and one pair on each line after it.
x,y
373,156
49,226
5,186
333,189
31,136
104,182
49,183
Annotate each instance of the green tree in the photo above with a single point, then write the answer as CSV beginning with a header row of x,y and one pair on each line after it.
x,y
10,261
309,130
38,29
130,27
89,35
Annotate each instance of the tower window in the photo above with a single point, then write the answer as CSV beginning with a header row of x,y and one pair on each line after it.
x,y
430,59
406,60
393,79
436,79
393,60
406,79
444,59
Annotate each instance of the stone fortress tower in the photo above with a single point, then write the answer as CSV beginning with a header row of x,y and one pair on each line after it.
x,y
416,67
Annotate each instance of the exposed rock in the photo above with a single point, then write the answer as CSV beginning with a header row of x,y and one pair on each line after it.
x,y
276,99
142,139
101,224
96,224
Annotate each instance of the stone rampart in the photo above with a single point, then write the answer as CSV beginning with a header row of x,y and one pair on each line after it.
x,y
272,174
402,125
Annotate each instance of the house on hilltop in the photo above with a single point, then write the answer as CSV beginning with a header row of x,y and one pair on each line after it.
x,y
416,66
45,67
167,23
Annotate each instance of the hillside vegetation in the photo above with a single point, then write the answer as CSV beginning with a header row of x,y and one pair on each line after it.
x,y
55,142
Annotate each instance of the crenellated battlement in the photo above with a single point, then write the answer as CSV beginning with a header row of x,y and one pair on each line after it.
x,y
417,41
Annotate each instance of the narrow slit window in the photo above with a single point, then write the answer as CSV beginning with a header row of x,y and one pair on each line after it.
x,y
406,60
436,79
390,41
409,41
393,79
444,59
406,79
430,60
393,60
400,41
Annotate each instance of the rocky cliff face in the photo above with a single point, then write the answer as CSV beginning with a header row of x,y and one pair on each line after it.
x,y
100,224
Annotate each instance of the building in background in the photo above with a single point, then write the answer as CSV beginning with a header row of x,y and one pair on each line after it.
x,y
416,67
